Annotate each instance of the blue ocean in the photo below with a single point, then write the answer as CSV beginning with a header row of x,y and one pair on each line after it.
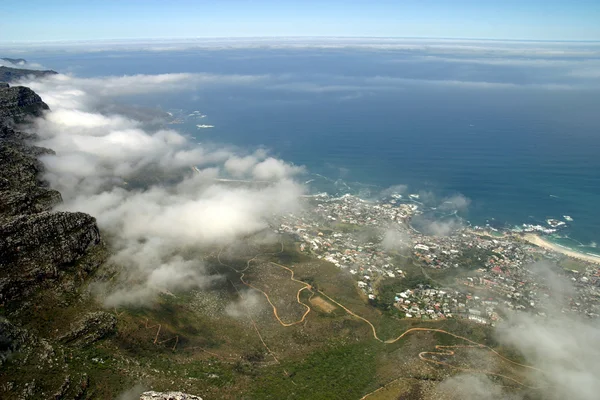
x,y
513,128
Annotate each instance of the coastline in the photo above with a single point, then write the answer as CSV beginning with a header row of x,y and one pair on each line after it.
x,y
546,244
502,233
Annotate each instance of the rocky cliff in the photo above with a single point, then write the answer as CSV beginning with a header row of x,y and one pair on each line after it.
x,y
45,256
36,244
17,103
55,337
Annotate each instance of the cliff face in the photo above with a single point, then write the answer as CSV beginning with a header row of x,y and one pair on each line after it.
x,y
36,245
45,258
18,103
54,336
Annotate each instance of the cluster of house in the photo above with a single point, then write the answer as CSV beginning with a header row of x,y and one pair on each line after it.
x,y
524,285
430,303
467,246
336,230
333,230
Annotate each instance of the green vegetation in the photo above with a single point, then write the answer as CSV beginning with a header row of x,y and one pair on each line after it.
x,y
571,264
347,227
337,372
331,356
473,257
386,292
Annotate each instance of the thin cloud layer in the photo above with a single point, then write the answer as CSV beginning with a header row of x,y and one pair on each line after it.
x,y
20,63
395,241
432,45
457,202
564,347
395,64
107,165
561,346
73,88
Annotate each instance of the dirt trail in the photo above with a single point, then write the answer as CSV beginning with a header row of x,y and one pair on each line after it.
x,y
441,350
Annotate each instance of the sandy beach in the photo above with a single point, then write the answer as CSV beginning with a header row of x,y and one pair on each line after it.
x,y
538,241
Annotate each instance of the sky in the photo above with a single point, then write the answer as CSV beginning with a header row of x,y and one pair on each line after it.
x,y
55,20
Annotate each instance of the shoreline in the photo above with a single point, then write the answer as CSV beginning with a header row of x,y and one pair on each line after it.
x,y
548,245
532,238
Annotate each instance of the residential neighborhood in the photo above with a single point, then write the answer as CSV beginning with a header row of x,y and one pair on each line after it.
x,y
490,271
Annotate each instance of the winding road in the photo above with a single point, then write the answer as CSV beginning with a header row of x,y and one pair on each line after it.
x,y
427,356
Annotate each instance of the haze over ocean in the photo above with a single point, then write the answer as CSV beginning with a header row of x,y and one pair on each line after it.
x,y
513,126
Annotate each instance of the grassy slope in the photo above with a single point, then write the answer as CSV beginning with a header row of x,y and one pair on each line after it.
x,y
332,356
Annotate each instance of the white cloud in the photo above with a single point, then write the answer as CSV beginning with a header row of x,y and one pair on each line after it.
x,y
472,387
416,45
274,169
437,227
242,166
154,227
73,88
21,65
249,302
561,347
395,240
340,84
524,60
564,347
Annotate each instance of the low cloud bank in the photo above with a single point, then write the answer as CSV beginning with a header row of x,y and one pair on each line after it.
x,y
157,211
564,347
19,63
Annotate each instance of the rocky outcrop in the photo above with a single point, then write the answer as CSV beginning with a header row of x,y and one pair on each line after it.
x,y
48,238
36,245
39,247
21,189
91,328
8,74
18,103
168,396
46,257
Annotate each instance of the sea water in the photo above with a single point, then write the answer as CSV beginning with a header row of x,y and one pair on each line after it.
x,y
519,151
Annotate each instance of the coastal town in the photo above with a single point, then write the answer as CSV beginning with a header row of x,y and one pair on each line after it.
x,y
474,273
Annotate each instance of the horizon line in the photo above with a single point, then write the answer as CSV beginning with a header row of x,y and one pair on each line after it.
x,y
200,38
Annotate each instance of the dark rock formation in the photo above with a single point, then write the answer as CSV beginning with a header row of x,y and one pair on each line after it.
x,y
47,238
8,74
35,244
18,103
21,189
91,328
46,260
